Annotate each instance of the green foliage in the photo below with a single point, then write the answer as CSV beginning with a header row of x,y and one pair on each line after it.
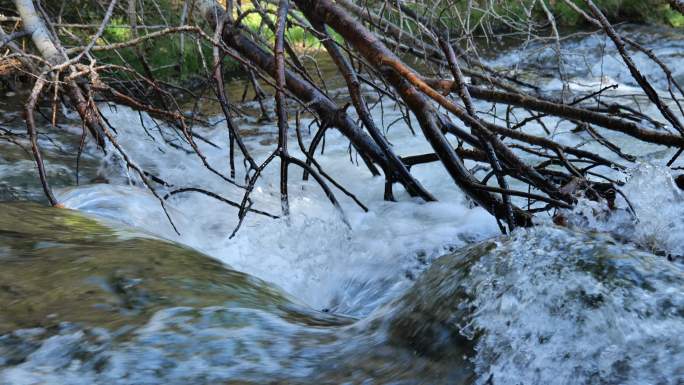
x,y
165,54
166,59
494,12
295,35
674,18
118,30
171,63
636,11
565,15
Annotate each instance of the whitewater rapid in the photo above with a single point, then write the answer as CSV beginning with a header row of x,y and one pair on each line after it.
x,y
313,255
537,315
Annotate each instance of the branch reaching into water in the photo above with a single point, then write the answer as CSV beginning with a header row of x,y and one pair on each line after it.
x,y
420,59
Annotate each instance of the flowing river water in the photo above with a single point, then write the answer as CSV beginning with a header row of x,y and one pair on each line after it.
x,y
106,292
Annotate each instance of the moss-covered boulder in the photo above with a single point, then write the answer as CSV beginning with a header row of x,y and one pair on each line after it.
x,y
59,266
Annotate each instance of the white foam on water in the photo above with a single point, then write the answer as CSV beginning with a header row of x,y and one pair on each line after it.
x,y
563,308
658,203
179,346
316,258
312,255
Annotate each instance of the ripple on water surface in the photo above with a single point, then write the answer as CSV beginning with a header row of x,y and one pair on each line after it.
x,y
545,305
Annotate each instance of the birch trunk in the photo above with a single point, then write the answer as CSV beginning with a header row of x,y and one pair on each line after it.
x,y
34,25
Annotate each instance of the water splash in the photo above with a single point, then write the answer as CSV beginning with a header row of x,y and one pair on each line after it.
x,y
312,255
548,305
656,201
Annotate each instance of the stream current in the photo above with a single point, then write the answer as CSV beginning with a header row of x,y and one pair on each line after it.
x,y
107,292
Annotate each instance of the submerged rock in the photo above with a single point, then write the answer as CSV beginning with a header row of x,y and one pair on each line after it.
x,y
59,266
548,305
83,303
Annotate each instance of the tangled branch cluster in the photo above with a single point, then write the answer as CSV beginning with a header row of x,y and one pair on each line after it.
x,y
370,44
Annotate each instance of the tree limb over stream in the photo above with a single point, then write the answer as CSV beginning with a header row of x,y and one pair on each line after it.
x,y
421,56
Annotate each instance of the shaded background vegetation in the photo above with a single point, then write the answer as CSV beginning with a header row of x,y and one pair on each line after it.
x,y
178,60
